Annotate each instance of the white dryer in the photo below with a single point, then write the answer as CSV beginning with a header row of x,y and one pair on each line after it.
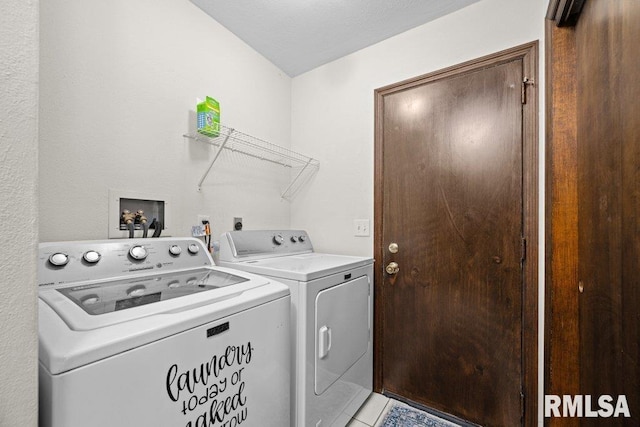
x,y
147,332
332,321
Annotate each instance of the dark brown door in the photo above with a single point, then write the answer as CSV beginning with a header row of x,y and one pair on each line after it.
x,y
452,174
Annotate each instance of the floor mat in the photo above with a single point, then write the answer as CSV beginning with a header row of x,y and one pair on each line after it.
x,y
401,415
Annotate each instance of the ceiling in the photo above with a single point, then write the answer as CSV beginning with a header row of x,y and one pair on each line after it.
x,y
300,35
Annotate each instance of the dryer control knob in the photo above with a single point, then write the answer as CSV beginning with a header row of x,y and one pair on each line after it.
x,y
193,248
59,259
138,252
91,257
278,239
175,250
302,238
294,239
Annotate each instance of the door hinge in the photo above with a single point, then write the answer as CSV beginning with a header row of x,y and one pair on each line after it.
x,y
525,82
523,249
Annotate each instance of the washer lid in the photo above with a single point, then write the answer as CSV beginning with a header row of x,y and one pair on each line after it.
x,y
101,298
303,267
70,337
93,305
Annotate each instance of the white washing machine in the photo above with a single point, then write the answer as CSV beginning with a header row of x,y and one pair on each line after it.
x,y
147,332
332,321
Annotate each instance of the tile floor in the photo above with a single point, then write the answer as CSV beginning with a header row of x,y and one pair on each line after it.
x,y
372,412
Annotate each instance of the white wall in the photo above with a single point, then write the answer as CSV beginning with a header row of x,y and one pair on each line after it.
x,y
333,117
119,82
333,108
118,88
18,209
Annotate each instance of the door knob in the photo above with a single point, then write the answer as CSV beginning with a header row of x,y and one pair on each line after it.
x,y
392,268
393,248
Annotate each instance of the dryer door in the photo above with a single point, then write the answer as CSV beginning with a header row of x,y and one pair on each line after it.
x,y
341,329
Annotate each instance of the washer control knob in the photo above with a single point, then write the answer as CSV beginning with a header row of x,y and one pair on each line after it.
x,y
193,248
294,239
138,252
278,239
175,250
302,238
92,257
59,259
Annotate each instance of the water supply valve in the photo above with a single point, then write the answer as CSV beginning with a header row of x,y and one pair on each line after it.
x,y
127,217
140,218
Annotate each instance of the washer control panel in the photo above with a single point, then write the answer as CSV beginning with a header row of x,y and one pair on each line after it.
x,y
243,245
68,262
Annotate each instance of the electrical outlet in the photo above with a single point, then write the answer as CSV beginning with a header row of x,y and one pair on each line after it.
x,y
202,219
237,223
361,227
198,231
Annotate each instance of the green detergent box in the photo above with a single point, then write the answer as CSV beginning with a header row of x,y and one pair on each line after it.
x,y
209,117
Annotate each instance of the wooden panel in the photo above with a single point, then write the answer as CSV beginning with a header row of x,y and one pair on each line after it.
x,y
562,345
593,347
608,187
630,129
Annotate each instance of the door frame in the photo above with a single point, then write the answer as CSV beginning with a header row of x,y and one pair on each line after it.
x,y
528,53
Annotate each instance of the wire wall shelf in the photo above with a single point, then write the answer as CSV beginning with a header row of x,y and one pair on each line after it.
x,y
301,167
